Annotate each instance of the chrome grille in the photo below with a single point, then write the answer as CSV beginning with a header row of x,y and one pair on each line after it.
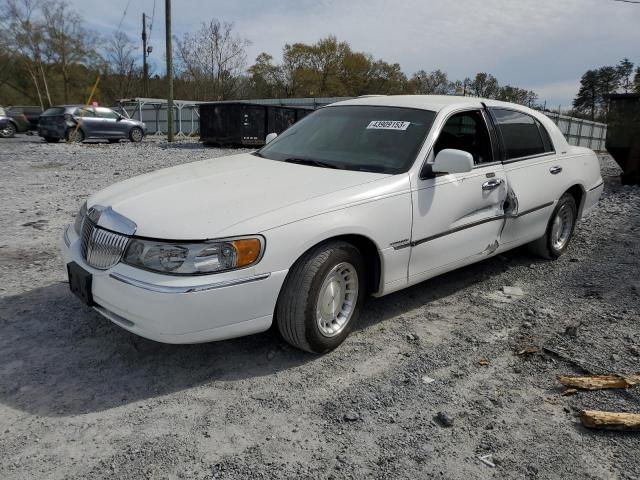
x,y
101,248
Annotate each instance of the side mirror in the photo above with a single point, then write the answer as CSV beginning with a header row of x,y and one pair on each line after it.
x,y
270,137
450,160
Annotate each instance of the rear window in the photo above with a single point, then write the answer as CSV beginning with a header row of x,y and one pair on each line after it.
x,y
53,111
520,134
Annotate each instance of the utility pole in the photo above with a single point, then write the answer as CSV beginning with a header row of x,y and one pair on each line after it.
x,y
145,68
167,21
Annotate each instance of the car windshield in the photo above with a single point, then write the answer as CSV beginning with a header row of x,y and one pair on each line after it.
x,y
354,137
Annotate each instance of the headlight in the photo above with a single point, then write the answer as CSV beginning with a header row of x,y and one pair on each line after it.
x,y
194,258
77,226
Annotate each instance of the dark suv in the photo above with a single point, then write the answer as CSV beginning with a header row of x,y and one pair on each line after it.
x,y
30,113
75,123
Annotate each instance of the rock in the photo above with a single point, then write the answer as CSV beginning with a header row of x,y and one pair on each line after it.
x,y
444,419
615,357
572,330
351,416
635,351
427,380
512,291
527,325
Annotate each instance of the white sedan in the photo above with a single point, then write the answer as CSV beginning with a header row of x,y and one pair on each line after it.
x,y
363,197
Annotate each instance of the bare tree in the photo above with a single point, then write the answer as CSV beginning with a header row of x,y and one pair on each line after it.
x,y
67,41
24,33
214,58
121,64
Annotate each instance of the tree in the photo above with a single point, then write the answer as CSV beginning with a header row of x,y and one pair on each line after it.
x,y
433,83
67,42
24,34
608,82
120,65
636,80
213,58
625,71
267,79
484,85
588,96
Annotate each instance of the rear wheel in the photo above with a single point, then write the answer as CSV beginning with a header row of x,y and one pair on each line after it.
x,y
322,297
75,135
559,230
8,131
136,134
51,139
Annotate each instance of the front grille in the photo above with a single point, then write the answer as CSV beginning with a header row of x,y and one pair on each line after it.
x,y
101,248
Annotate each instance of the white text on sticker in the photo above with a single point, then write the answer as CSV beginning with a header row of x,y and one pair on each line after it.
x,y
388,125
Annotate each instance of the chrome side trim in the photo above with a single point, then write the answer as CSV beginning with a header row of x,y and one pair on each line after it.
x,y
67,240
597,186
186,289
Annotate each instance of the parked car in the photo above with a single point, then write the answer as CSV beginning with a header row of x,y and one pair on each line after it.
x,y
76,123
29,112
13,123
363,197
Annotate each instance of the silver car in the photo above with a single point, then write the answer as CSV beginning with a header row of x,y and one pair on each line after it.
x,y
75,123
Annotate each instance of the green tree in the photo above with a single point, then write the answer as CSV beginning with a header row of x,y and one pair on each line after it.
x,y
588,97
432,83
625,73
485,85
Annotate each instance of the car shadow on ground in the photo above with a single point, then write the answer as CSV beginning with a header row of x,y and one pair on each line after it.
x,y
59,358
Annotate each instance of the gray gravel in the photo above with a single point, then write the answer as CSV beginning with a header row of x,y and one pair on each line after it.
x,y
82,398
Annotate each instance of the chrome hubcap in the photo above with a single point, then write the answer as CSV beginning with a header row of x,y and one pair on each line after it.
x,y
137,135
337,299
8,130
561,228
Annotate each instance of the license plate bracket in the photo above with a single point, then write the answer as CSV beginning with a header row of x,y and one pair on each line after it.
x,y
80,283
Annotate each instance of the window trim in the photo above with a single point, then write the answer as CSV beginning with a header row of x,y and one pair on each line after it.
x,y
536,122
423,175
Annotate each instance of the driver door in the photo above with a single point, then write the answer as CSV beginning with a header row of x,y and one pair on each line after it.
x,y
458,218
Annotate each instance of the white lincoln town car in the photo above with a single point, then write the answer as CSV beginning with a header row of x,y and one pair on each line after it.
x,y
362,197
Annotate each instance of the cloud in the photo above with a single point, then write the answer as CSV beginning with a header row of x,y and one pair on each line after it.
x,y
541,44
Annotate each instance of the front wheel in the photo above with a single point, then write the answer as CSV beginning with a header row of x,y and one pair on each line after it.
x,y
322,297
8,131
559,230
136,134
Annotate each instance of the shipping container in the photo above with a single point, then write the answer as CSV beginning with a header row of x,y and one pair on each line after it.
x,y
244,124
623,135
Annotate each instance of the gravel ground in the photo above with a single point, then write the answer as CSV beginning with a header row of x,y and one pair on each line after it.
x,y
430,381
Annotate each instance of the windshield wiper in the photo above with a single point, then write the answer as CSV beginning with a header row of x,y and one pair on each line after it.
x,y
313,163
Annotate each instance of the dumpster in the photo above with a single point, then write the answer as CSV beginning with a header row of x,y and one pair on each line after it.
x,y
623,135
243,124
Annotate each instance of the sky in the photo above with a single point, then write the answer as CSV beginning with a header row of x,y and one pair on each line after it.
x,y
542,45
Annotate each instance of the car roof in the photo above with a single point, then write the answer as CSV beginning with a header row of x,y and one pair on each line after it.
x,y
434,103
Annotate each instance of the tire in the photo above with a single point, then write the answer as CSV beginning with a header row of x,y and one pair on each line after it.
x,y
136,135
113,140
9,131
51,139
330,269
562,223
74,136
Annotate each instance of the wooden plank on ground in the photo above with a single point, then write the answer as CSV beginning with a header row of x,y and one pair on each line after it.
x,y
610,420
599,382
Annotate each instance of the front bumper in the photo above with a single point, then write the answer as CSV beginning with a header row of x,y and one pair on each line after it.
x,y
174,309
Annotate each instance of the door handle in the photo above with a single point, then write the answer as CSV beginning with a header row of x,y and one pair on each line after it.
x,y
555,170
491,184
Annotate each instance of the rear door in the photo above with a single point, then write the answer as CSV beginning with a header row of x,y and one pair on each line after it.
x,y
533,172
458,218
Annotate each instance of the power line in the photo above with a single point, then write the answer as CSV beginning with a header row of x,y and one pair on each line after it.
x,y
124,14
153,14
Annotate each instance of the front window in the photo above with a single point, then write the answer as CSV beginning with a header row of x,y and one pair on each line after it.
x,y
354,137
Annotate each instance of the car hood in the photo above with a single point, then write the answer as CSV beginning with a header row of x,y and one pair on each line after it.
x,y
201,200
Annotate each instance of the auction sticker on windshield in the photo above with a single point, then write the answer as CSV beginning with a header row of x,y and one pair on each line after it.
x,y
388,125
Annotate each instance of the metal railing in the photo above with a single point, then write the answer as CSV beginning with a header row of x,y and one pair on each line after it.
x,y
153,111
